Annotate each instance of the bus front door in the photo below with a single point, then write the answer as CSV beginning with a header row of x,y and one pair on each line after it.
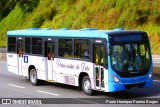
x,y
99,55
20,53
50,61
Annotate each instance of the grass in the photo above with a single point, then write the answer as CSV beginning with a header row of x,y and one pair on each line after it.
x,y
77,14
2,44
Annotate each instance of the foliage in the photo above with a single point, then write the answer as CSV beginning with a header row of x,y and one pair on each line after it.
x,y
13,21
157,19
155,42
27,5
2,44
5,7
50,13
38,21
142,16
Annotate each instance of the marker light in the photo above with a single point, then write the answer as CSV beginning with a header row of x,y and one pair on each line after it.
x,y
47,29
150,76
98,41
64,29
88,29
119,29
116,79
49,39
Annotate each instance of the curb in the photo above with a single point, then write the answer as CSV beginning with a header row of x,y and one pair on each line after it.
x,y
2,57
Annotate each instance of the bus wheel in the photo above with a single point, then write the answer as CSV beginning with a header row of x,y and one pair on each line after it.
x,y
86,86
33,77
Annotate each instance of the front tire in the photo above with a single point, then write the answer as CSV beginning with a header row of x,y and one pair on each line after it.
x,y
86,86
33,77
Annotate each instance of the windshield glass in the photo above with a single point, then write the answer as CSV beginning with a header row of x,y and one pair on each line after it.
x,y
130,58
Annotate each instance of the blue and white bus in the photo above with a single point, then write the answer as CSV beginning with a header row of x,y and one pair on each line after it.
x,y
92,59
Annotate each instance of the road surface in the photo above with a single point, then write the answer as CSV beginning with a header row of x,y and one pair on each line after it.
x,y
13,86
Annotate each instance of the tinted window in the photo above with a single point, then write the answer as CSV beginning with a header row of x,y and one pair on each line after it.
x,y
65,48
81,48
130,59
37,46
12,44
27,45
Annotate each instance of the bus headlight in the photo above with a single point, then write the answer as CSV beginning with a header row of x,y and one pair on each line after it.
x,y
150,75
116,79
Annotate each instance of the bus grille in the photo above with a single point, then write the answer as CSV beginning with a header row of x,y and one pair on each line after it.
x,y
129,86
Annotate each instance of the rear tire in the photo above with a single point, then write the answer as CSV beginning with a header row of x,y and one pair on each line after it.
x,y
86,86
33,77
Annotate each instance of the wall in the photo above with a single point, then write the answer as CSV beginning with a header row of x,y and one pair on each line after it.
x,y
2,54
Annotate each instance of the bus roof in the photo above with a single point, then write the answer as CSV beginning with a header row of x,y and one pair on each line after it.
x,y
68,33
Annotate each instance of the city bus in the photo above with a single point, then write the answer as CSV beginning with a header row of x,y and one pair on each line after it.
x,y
91,59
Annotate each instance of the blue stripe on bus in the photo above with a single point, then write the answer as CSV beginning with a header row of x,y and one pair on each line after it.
x,y
65,33
59,33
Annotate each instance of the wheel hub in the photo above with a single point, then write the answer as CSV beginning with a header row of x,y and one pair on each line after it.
x,y
33,77
87,86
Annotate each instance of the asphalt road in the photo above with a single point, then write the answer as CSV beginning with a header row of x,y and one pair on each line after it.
x,y
13,86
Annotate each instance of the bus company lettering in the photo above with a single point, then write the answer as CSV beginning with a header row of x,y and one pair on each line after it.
x,y
82,66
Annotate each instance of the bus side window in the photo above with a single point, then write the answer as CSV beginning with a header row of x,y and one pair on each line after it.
x,y
102,52
11,44
27,44
37,46
65,48
106,56
81,48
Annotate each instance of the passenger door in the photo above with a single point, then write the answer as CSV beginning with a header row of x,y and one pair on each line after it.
x,y
50,61
20,54
99,58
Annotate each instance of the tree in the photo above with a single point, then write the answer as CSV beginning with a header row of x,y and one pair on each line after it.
x,y
6,6
28,5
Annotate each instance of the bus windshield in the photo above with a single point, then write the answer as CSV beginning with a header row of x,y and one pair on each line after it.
x,y
130,59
